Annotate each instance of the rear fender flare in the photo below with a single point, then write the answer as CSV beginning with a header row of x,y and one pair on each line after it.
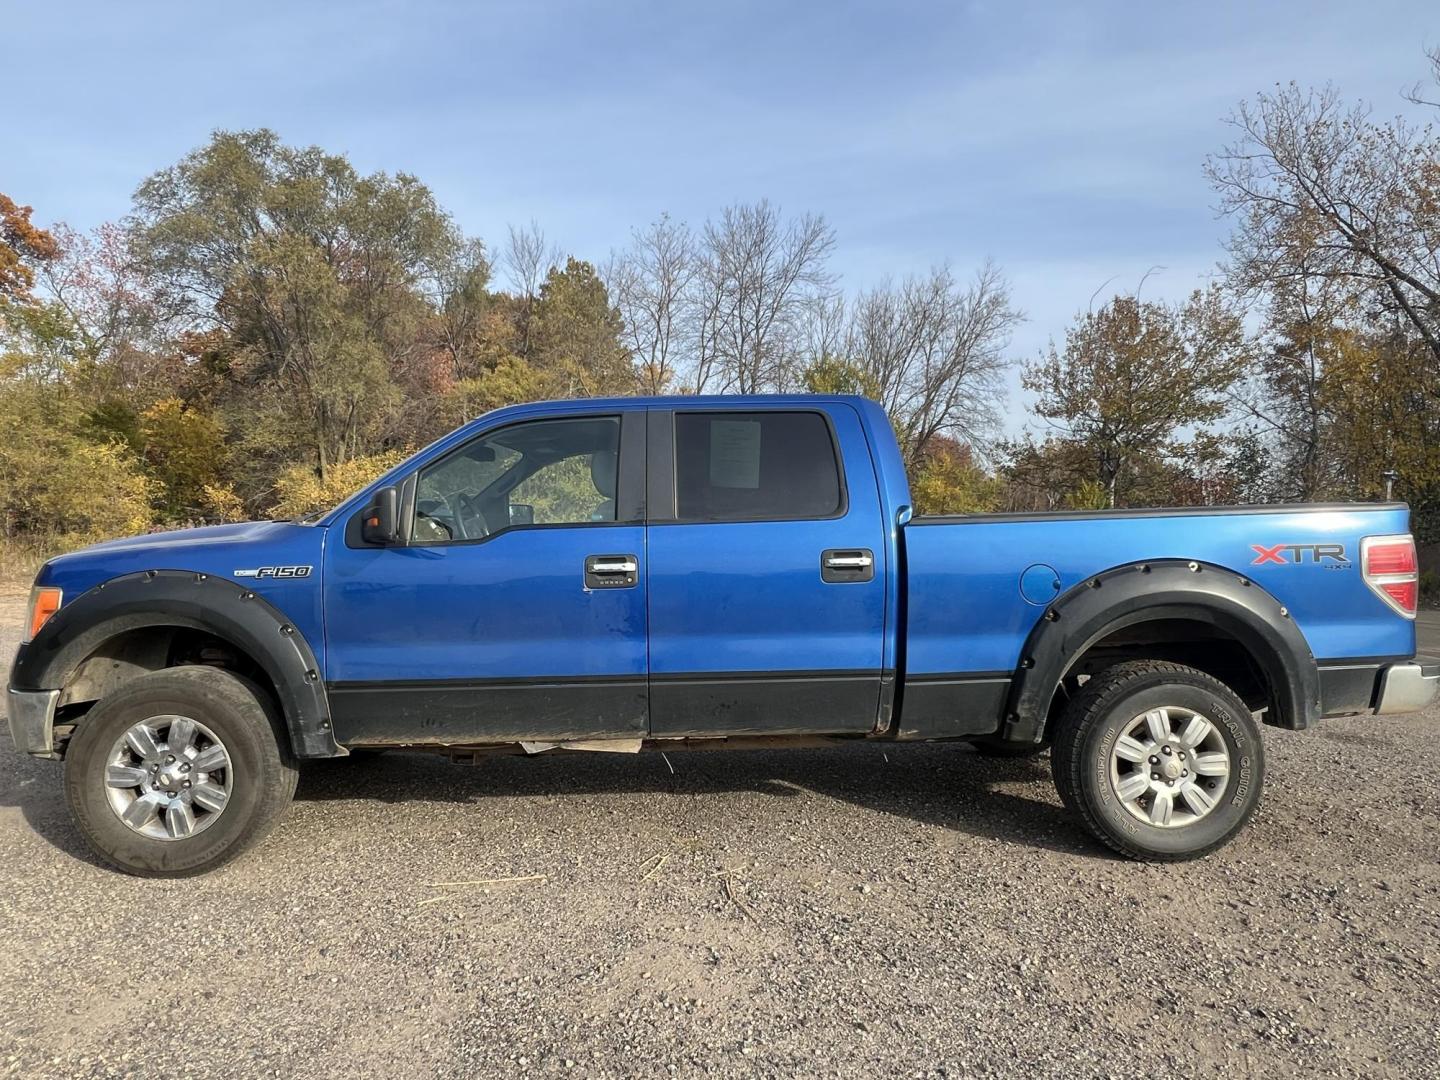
x,y
1162,589
197,601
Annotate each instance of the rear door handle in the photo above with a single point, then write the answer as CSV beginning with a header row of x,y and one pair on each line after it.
x,y
611,571
843,565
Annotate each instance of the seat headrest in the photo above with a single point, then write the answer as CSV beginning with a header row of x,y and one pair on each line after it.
x,y
602,472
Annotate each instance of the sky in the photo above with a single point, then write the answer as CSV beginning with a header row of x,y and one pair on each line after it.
x,y
1066,141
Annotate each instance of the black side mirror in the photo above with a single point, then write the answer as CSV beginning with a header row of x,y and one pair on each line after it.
x,y
522,514
381,524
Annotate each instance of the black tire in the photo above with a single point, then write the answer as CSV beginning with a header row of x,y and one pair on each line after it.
x,y
1092,723
263,778
993,746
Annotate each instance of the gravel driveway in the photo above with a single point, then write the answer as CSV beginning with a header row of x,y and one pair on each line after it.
x,y
910,910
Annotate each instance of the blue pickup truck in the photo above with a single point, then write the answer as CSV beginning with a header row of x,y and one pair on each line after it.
x,y
723,571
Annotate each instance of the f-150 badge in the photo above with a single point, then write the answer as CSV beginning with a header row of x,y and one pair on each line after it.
x,y
276,572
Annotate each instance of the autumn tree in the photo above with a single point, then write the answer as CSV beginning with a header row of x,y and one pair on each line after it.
x,y
1135,373
314,270
1313,178
22,247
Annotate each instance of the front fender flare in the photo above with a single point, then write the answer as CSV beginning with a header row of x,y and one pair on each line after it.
x,y
200,602
1163,589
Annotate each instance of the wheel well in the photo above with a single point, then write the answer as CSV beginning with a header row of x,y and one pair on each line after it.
x,y
1191,642
135,652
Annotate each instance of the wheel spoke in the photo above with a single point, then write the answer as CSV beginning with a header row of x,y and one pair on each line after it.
x,y
1132,787
1160,810
212,758
1212,764
180,735
142,740
179,819
1197,798
1158,721
1129,749
139,813
125,776
210,796
1195,731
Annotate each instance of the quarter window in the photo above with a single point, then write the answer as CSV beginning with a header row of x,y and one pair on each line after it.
x,y
760,466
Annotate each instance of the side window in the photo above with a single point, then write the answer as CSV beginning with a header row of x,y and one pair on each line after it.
x,y
761,466
544,472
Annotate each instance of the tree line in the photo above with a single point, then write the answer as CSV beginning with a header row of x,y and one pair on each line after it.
x,y
268,328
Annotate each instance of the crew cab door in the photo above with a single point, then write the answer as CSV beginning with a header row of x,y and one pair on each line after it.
x,y
514,605
766,572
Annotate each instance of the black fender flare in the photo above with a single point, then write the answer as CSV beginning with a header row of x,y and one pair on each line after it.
x,y
200,602
1163,589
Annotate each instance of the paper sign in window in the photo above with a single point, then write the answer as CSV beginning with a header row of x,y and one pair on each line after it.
x,y
735,453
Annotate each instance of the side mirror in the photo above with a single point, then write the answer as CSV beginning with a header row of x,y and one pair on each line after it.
x,y
380,524
522,514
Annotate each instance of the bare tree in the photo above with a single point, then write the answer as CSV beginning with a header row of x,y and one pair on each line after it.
x,y
651,283
1357,197
528,259
935,352
758,275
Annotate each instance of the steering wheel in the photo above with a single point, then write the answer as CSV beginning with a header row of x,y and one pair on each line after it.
x,y
465,512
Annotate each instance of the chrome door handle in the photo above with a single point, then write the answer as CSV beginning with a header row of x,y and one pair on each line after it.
x,y
613,566
847,566
611,571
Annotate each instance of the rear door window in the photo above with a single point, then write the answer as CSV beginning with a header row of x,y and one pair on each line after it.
x,y
759,466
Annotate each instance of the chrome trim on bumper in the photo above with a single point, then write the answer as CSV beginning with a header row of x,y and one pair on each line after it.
x,y
1406,688
32,721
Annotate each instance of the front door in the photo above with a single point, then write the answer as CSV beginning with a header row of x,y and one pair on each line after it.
x,y
767,575
514,609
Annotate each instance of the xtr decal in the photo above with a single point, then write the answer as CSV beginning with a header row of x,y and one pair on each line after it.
x,y
276,572
1286,554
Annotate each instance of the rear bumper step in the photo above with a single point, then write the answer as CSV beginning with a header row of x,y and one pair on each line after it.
x,y
1408,687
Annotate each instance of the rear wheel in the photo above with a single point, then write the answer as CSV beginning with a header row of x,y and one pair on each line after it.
x,y
178,772
1160,761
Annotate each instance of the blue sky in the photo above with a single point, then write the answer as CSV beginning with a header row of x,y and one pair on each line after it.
x,y
1065,140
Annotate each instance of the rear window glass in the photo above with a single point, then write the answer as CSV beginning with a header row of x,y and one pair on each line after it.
x,y
763,466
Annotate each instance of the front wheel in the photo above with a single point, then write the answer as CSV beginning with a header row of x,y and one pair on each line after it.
x,y
1160,761
178,772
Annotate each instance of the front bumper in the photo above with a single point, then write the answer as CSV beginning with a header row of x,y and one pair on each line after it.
x,y
1407,687
32,721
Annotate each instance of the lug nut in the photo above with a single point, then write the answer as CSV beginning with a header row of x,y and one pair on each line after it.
x,y
170,758
186,766
1154,760
1170,782
1165,749
187,783
1182,755
1154,776
1183,772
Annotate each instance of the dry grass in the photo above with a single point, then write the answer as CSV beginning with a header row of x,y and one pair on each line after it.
x,y
22,556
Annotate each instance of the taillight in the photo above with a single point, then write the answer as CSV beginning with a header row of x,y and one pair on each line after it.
x,y
44,602
1391,569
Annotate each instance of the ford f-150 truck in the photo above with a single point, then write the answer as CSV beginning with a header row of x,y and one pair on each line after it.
x,y
717,571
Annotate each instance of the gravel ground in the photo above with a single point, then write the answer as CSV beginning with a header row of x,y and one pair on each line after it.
x,y
907,911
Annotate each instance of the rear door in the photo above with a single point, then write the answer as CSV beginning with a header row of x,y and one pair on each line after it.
x,y
766,576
